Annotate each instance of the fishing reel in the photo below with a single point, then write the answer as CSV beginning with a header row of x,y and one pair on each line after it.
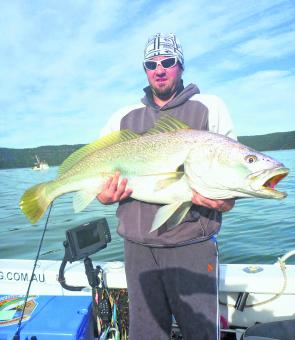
x,y
82,241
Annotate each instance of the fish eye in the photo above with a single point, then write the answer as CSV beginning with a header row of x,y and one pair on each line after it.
x,y
251,158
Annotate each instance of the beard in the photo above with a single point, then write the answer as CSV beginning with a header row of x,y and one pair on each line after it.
x,y
165,92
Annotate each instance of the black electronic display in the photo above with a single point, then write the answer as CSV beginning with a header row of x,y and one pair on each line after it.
x,y
87,239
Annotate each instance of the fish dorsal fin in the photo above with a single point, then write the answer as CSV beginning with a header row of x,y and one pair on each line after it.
x,y
165,124
108,140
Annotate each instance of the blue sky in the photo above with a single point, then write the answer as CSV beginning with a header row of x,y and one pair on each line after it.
x,y
66,66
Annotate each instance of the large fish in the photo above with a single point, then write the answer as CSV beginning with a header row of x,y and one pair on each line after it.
x,y
163,166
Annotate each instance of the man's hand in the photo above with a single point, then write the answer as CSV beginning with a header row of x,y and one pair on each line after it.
x,y
220,205
114,192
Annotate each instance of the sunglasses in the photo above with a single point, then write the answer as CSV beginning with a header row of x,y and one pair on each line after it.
x,y
165,63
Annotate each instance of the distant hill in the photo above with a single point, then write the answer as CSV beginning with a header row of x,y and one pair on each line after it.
x,y
25,158
55,155
271,141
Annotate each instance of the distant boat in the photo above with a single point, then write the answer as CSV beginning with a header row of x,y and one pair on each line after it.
x,y
40,165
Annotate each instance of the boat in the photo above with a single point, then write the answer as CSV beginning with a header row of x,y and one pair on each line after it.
x,y
63,294
249,294
40,165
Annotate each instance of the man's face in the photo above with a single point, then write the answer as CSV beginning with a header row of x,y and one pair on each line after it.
x,y
163,81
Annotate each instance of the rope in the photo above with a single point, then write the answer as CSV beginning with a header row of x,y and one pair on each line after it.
x,y
281,262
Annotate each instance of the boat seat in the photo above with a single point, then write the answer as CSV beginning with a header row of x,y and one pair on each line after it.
x,y
276,330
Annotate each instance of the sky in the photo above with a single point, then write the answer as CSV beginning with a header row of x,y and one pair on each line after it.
x,y
66,66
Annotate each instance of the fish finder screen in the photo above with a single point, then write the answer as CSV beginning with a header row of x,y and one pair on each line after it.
x,y
87,237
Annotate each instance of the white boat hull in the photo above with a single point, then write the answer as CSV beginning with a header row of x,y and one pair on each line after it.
x,y
261,281
40,167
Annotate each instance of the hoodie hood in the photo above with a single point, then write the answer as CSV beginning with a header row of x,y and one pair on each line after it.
x,y
183,94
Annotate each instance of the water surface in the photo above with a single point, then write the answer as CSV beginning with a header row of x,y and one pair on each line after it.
x,y
256,230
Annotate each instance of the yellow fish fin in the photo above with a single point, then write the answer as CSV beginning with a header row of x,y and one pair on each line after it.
x,y
82,199
179,215
108,140
165,124
34,202
169,179
173,214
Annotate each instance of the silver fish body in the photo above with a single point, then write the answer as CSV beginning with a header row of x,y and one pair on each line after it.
x,y
162,167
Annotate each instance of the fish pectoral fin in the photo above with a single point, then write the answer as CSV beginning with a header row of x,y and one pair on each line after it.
x,y
82,199
171,178
171,213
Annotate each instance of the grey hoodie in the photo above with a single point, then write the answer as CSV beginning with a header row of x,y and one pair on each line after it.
x,y
202,112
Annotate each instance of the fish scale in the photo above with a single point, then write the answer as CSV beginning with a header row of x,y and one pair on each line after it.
x,y
213,165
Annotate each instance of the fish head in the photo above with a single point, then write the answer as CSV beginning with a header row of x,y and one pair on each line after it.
x,y
224,168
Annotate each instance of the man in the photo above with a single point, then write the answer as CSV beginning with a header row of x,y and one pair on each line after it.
x,y
170,271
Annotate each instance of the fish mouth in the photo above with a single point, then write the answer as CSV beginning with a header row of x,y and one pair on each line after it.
x,y
265,181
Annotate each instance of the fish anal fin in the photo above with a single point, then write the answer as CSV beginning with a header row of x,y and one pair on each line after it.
x,y
179,215
82,199
171,213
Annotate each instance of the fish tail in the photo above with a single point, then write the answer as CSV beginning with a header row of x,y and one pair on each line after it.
x,y
35,202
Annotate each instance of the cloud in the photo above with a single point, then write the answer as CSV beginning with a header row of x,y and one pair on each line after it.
x,y
66,66
261,102
272,46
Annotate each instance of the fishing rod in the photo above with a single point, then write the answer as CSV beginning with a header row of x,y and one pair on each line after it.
x,y
16,335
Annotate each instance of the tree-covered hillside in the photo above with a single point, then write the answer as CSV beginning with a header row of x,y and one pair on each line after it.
x,y
54,155
25,158
272,141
